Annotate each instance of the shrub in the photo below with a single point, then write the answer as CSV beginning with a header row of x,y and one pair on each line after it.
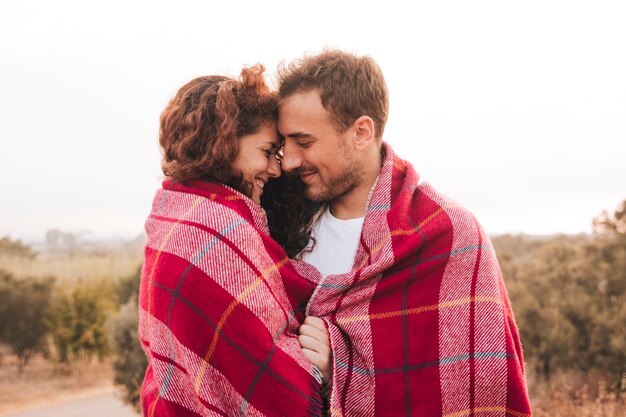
x,y
78,322
129,362
24,304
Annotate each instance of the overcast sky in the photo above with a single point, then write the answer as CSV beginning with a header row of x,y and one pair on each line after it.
x,y
515,109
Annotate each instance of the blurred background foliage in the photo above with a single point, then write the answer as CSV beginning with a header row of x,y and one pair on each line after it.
x,y
569,299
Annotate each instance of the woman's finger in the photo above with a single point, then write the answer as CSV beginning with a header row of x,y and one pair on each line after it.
x,y
314,332
311,355
308,342
315,322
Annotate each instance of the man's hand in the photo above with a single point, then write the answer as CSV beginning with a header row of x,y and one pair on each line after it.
x,y
316,346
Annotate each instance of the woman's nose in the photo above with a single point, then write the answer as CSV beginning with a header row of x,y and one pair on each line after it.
x,y
274,168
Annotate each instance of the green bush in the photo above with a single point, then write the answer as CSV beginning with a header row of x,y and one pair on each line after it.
x,y
77,321
24,304
127,288
129,362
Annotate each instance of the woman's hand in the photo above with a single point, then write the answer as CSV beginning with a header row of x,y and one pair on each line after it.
x,y
315,345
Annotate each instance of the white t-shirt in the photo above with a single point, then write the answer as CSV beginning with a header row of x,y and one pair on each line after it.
x,y
336,242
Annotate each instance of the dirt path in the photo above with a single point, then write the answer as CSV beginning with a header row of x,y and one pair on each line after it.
x,y
102,402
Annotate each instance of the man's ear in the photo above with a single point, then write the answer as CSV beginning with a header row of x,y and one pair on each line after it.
x,y
364,131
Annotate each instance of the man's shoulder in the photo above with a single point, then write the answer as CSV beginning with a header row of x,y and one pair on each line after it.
x,y
426,201
427,191
441,204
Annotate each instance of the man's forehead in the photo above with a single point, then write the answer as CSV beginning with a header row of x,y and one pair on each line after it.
x,y
311,98
302,109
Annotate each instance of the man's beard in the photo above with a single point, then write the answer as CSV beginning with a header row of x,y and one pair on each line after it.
x,y
338,186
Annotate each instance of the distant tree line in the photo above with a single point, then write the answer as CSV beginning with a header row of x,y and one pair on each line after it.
x,y
15,248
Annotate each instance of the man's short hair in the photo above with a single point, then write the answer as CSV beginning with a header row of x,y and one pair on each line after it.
x,y
350,86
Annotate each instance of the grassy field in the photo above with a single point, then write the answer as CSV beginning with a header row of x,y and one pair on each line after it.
x,y
76,266
573,394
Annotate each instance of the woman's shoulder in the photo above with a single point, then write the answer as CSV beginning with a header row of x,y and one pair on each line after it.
x,y
208,202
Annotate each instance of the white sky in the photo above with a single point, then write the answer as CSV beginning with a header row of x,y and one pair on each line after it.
x,y
515,109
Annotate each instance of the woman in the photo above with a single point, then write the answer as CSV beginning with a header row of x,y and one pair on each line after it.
x,y
220,301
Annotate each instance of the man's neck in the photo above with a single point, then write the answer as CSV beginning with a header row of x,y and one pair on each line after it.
x,y
353,204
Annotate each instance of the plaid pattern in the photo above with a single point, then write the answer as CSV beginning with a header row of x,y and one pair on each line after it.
x,y
422,326
220,307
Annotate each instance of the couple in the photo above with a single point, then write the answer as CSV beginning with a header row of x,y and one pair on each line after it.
x,y
390,301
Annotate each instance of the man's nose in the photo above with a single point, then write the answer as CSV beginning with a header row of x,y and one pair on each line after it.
x,y
292,158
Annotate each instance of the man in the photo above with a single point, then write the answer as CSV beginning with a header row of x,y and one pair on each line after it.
x,y
412,294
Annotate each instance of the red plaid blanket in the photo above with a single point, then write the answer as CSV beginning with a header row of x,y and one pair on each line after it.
x,y
423,325
220,307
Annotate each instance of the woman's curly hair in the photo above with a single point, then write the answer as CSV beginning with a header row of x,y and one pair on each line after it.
x,y
201,125
289,213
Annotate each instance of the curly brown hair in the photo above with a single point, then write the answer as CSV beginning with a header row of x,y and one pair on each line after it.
x,y
350,86
201,125
289,213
